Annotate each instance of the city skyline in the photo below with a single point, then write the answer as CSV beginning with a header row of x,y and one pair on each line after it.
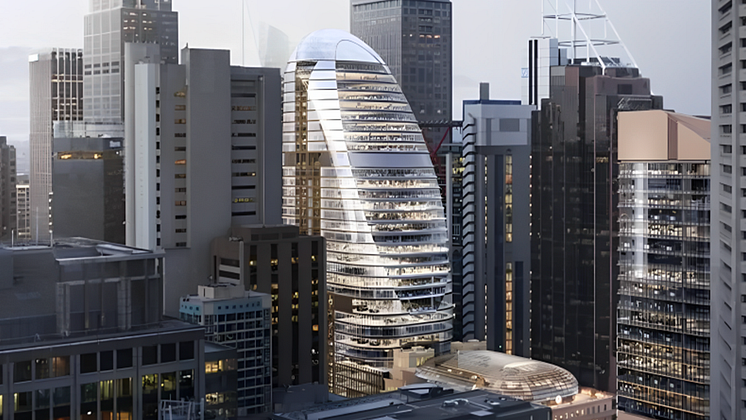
x,y
507,25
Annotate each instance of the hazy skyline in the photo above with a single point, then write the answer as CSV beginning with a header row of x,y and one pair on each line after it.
x,y
670,40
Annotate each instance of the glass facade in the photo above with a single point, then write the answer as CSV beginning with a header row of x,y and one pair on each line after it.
x,y
56,94
414,39
663,347
574,237
108,26
356,171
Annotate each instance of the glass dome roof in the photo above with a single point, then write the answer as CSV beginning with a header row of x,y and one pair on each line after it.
x,y
334,44
518,377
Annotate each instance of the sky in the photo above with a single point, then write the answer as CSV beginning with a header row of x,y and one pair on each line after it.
x,y
669,40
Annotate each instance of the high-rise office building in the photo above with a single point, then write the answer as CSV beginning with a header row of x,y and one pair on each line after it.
x,y
289,267
574,236
204,141
663,335
239,319
356,171
108,26
728,288
8,201
23,208
414,39
495,223
56,94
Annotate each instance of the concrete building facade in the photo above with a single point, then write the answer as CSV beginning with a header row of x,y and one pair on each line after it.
x,y
495,224
83,334
206,155
663,315
728,272
56,94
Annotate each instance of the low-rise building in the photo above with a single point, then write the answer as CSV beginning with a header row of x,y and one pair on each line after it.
x,y
519,378
82,334
239,319
425,402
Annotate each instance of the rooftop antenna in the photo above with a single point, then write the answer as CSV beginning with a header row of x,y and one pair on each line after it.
x,y
590,29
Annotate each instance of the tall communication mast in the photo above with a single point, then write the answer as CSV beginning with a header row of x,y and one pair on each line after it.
x,y
585,30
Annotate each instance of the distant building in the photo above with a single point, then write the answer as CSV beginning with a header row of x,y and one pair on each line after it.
x,y
238,319
23,204
82,336
8,199
205,143
56,94
663,316
415,39
88,188
108,26
425,402
574,236
495,223
289,267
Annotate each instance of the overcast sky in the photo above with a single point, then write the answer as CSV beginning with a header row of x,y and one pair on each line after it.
x,y
669,39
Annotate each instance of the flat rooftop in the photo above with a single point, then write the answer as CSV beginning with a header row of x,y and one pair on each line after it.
x,y
396,405
70,249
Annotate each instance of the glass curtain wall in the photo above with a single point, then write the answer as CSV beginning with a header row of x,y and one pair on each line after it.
x,y
356,170
663,352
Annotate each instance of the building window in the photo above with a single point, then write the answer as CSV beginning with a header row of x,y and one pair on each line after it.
x,y
88,363
22,371
186,350
149,355
106,360
124,358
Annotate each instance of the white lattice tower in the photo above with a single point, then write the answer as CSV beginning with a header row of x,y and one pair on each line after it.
x,y
585,30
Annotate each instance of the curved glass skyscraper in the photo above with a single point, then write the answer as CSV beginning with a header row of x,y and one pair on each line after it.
x,y
356,171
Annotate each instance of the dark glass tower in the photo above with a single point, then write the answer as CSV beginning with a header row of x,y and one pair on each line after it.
x,y
414,39
574,217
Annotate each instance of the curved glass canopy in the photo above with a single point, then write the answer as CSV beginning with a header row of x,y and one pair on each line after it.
x,y
356,170
513,376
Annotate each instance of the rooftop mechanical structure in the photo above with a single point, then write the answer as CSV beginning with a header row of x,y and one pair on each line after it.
x,y
356,170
